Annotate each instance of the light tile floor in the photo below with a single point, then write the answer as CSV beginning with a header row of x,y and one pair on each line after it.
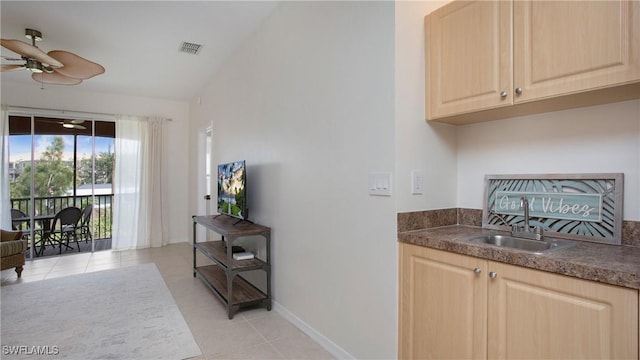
x,y
251,334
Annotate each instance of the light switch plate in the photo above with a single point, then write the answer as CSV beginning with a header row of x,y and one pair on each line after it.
x,y
380,184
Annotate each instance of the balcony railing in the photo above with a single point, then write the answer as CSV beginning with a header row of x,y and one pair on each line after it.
x,y
101,216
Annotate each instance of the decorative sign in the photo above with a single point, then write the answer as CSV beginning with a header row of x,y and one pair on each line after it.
x,y
566,206
585,207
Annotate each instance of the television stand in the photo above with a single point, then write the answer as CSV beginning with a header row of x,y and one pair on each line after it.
x,y
241,220
224,277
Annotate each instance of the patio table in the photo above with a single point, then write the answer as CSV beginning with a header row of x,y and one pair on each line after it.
x,y
45,220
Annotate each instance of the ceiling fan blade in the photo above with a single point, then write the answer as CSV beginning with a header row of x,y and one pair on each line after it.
x,y
75,66
71,125
12,58
12,67
30,51
55,78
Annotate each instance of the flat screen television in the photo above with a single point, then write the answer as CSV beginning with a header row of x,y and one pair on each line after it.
x,y
232,198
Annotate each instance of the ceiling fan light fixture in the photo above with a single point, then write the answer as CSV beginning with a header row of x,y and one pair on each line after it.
x,y
34,66
68,126
33,35
56,67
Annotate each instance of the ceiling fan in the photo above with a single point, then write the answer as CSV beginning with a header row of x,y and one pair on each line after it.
x,y
56,67
73,124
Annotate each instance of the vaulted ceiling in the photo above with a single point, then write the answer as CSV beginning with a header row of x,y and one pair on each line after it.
x,y
137,41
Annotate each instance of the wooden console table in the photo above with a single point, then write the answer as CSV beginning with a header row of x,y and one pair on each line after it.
x,y
233,290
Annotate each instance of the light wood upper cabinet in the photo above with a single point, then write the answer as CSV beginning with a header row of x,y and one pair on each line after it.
x,y
468,57
487,60
562,47
450,310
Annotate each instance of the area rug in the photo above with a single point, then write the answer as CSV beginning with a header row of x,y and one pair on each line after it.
x,y
125,313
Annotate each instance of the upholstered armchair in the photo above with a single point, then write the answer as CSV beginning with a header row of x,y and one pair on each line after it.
x,y
12,250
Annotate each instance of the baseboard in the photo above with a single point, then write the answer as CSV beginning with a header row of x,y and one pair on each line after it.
x,y
330,346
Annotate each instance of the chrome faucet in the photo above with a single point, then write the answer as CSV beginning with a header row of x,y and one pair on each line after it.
x,y
526,231
524,204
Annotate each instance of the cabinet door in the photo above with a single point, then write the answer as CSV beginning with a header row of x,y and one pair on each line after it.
x,y
468,57
539,315
442,305
565,47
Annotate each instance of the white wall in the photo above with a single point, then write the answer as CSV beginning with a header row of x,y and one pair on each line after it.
x,y
419,146
311,96
75,99
309,103
597,139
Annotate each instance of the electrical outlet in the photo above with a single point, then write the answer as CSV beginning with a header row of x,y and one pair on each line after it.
x,y
417,182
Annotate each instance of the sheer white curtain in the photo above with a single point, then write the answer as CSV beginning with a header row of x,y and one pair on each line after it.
x,y
5,204
139,219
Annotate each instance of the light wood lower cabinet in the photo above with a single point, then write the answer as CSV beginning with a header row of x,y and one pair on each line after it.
x,y
538,315
443,305
450,308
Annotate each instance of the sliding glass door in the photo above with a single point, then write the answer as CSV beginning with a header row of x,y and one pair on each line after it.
x,y
60,183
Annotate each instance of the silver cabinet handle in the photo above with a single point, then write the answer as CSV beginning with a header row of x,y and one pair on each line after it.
x,y
503,94
477,271
493,274
518,90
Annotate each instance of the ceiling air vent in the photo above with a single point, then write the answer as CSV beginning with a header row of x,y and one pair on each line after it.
x,y
190,48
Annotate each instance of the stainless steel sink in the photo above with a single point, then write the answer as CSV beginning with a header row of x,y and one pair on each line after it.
x,y
535,246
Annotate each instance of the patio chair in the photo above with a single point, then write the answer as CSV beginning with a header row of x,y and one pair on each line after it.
x,y
17,214
22,225
84,229
64,226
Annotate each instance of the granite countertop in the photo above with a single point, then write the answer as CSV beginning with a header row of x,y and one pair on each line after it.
x,y
610,264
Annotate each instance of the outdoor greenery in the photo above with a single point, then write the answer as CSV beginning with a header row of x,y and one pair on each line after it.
x,y
54,177
51,176
103,169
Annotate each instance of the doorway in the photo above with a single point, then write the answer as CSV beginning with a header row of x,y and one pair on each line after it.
x,y
56,164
